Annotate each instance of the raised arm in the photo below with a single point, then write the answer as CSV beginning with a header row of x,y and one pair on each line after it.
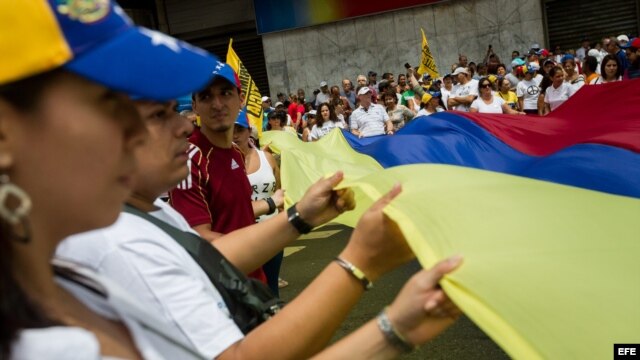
x,y
376,246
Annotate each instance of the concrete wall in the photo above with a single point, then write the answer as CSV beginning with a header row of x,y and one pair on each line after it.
x,y
303,58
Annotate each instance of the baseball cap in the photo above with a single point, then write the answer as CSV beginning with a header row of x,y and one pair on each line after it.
x,y
535,46
623,39
567,57
265,98
242,119
312,112
517,62
460,70
533,66
225,71
426,97
279,103
323,83
634,43
543,53
98,42
364,90
593,52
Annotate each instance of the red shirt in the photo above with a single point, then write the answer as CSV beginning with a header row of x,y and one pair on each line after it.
x,y
293,110
216,191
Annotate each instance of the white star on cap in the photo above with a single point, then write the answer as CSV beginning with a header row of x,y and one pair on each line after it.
x,y
158,39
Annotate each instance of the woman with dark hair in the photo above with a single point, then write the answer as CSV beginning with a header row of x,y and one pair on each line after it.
x,y
610,70
326,121
399,115
487,102
77,177
504,92
559,91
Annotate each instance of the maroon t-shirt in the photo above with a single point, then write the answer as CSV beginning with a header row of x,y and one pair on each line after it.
x,y
216,191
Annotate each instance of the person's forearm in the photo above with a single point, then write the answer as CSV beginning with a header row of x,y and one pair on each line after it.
x,y
252,246
260,207
365,343
418,90
205,232
355,132
466,100
324,304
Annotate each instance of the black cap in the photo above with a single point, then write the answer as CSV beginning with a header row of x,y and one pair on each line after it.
x,y
372,73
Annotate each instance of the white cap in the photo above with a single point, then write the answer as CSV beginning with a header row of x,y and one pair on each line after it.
x,y
278,104
323,83
623,39
535,46
460,70
312,112
364,90
533,66
265,99
593,52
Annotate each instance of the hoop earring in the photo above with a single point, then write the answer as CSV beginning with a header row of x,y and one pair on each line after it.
x,y
15,216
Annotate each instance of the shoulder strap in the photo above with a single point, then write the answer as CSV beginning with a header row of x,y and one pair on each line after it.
x,y
237,290
206,255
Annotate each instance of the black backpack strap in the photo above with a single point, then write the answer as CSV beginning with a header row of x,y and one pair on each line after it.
x,y
231,283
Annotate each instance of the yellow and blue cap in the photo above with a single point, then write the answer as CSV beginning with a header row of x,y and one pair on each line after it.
x,y
96,39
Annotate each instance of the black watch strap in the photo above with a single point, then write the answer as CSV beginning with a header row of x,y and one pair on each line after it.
x,y
272,205
294,219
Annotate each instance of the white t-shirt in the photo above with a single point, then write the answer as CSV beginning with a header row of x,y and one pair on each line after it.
x,y
494,108
57,342
513,80
528,90
153,338
556,97
327,126
370,122
445,94
162,276
424,112
577,83
470,88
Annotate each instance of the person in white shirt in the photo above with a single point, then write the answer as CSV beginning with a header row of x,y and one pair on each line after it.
x,y
325,122
610,70
369,119
464,92
488,103
559,91
528,90
165,279
572,77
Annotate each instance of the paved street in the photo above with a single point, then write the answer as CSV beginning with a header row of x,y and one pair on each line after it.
x,y
306,257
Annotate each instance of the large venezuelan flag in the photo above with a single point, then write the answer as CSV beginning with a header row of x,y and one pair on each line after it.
x,y
546,212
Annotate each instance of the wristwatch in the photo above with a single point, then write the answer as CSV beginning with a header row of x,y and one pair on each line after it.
x,y
294,219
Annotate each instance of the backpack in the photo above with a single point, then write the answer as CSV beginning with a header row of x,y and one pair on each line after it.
x,y
250,302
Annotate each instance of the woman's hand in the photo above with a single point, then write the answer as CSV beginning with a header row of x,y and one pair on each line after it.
x,y
422,310
321,203
377,245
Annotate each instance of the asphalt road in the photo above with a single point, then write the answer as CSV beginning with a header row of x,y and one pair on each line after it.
x,y
306,257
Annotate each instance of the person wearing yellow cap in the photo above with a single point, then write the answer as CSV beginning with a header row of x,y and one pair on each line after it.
x,y
68,134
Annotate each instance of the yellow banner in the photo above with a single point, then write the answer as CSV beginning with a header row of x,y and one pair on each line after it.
x,y
427,62
252,97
